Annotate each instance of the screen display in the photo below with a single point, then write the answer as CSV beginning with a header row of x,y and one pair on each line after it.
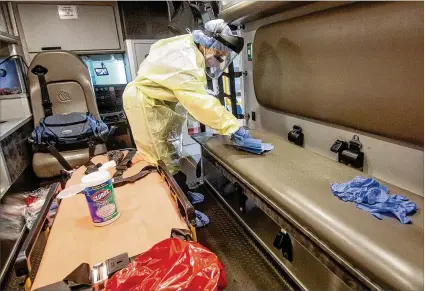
x,y
107,69
101,71
9,78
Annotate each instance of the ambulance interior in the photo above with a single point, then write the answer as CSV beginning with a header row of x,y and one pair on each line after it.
x,y
336,87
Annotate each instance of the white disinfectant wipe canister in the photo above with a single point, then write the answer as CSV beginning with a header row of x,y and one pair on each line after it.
x,y
100,196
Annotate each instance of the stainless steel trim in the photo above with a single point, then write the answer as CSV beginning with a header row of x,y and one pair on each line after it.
x,y
14,96
12,18
8,181
13,252
8,38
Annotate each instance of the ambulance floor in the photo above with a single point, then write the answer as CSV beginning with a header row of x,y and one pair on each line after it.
x,y
247,266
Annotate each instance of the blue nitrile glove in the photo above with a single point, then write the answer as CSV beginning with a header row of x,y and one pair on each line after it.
x,y
399,209
242,133
373,197
244,141
195,197
201,219
357,190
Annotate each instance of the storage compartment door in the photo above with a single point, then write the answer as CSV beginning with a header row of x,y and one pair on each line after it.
x,y
94,29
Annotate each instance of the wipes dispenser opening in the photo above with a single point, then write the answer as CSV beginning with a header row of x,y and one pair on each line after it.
x,y
100,196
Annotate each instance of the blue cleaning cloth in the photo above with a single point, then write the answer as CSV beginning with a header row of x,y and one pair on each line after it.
x,y
244,141
195,197
373,197
265,147
201,219
252,143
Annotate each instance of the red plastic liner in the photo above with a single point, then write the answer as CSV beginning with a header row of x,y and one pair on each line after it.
x,y
172,264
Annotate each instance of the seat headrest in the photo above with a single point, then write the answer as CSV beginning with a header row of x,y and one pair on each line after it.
x,y
62,65
67,76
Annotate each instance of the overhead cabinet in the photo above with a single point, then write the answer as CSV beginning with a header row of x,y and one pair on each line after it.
x,y
69,27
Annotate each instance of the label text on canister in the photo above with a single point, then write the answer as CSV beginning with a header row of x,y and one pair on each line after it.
x,y
101,202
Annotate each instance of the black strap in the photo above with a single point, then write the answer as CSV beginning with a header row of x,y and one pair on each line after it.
x,y
125,163
183,234
41,72
59,157
92,148
91,167
120,181
116,156
199,169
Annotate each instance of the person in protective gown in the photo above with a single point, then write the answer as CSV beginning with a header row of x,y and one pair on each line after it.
x,y
171,77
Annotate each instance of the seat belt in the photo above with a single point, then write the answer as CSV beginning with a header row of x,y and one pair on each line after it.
x,y
91,167
59,157
64,163
117,179
120,181
40,72
125,164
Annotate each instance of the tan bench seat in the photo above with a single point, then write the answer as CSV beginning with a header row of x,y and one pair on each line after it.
x,y
296,183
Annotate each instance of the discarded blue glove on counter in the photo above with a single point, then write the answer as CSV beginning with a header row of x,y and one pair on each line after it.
x,y
373,197
242,140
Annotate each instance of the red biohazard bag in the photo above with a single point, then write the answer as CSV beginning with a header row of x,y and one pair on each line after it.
x,y
172,264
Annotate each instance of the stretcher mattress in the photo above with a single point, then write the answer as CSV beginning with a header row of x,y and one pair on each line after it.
x,y
148,213
296,183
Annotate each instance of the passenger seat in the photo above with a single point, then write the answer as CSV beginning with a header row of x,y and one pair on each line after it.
x,y
70,90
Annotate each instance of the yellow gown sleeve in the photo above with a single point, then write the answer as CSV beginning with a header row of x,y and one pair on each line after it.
x,y
208,110
176,67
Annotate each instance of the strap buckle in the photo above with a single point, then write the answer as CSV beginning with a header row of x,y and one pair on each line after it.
x,y
99,273
102,271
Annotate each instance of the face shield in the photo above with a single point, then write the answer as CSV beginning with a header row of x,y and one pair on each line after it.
x,y
217,61
221,53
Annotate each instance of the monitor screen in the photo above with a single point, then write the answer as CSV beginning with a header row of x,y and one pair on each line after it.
x,y
101,71
9,77
107,69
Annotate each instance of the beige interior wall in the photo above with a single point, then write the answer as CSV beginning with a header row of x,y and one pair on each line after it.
x,y
393,161
360,66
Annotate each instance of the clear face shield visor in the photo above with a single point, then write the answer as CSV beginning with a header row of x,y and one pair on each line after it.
x,y
217,60
217,63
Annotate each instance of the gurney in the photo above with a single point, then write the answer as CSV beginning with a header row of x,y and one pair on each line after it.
x,y
283,199
150,209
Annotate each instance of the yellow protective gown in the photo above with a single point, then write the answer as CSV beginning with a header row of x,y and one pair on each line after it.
x,y
174,72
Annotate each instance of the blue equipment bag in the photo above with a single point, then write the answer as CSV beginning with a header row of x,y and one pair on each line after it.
x,y
69,131
64,132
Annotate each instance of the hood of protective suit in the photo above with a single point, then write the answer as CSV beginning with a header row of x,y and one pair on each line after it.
x,y
171,81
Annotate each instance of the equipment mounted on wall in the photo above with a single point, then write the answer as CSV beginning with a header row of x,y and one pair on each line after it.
x,y
296,136
349,153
